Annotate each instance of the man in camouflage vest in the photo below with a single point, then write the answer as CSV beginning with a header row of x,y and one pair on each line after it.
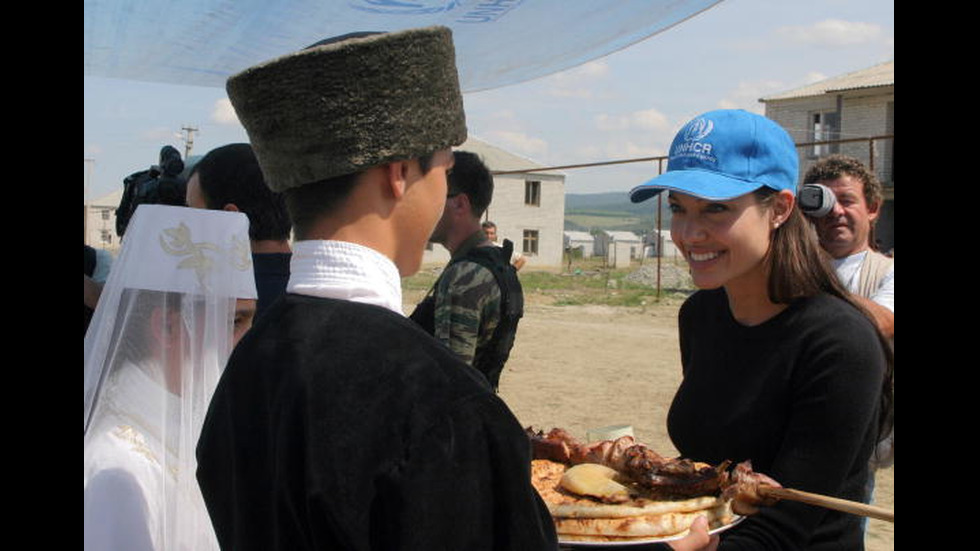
x,y
475,305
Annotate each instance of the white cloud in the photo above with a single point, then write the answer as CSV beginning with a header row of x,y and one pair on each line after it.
x,y
160,134
650,119
578,82
747,93
592,70
574,93
611,123
223,112
833,33
646,119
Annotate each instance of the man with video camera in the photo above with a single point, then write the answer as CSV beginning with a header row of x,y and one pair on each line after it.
x,y
845,220
161,184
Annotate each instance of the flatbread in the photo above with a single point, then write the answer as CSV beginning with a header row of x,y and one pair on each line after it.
x,y
643,516
634,508
644,526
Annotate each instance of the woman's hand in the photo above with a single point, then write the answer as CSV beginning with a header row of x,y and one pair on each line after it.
x,y
697,539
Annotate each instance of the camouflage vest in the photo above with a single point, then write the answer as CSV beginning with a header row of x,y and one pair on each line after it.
x,y
491,357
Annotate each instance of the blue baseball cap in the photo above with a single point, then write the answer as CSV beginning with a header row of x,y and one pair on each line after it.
x,y
724,154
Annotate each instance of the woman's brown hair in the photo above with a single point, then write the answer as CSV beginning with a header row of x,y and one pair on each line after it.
x,y
800,268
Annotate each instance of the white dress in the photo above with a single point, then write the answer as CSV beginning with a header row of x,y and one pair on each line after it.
x,y
133,482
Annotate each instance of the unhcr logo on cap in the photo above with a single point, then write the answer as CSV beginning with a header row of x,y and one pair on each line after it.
x,y
698,129
691,146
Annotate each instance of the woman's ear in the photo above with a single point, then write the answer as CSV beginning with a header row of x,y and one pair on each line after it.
x,y
782,206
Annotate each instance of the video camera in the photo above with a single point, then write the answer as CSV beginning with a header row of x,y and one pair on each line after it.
x,y
816,200
162,184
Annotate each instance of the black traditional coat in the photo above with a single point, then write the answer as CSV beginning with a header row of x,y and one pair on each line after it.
x,y
339,425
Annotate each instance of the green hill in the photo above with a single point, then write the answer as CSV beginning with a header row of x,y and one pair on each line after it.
x,y
611,211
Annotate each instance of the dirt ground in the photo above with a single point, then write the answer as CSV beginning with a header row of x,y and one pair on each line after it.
x,y
581,367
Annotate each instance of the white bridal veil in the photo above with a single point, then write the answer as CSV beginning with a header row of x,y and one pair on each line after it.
x,y
154,351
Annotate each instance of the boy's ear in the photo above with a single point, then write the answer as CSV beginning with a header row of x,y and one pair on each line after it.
x,y
397,173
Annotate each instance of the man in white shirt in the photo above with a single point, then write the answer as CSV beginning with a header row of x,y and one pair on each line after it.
x,y
517,258
847,233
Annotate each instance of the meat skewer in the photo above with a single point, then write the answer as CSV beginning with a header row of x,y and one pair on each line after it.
x,y
852,507
747,489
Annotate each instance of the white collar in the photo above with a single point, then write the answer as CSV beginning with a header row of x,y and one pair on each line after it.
x,y
346,271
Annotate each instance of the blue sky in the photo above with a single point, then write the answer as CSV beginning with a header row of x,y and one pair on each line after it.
x,y
627,104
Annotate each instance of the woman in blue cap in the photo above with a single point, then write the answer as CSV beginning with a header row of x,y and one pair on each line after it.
x,y
780,365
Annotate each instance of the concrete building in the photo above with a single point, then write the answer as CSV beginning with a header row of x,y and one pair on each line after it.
x,y
659,243
619,247
100,222
856,112
579,243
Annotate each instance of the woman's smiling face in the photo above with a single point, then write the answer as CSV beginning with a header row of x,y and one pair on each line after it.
x,y
724,242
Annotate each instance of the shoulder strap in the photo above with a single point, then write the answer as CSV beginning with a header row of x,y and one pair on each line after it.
x,y
497,260
508,249
873,269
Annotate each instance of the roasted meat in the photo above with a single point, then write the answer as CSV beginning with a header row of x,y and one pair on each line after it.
x,y
667,476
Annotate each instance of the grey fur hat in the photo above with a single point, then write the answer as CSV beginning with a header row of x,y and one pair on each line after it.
x,y
347,105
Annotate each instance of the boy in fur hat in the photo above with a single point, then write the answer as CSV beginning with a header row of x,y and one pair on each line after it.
x,y
338,422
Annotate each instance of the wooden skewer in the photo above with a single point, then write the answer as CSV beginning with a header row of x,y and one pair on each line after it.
x,y
837,504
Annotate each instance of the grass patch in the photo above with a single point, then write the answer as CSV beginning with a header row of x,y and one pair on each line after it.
x,y
583,282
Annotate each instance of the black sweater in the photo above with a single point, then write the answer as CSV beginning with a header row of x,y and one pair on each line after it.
x,y
797,395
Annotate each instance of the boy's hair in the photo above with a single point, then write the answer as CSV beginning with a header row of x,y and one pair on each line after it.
x,y
307,203
231,174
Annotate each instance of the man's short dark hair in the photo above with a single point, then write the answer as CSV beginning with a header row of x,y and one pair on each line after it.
x,y
231,174
472,177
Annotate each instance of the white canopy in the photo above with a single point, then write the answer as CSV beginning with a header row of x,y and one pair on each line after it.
x,y
498,42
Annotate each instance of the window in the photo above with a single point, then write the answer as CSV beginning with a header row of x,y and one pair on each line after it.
x,y
823,127
530,242
532,193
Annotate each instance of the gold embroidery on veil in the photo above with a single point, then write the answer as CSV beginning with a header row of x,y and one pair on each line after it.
x,y
181,244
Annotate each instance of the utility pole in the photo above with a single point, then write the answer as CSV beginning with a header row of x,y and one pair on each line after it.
x,y
188,140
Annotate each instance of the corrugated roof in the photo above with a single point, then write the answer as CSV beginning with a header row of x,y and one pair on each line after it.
x,y
882,74
498,159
